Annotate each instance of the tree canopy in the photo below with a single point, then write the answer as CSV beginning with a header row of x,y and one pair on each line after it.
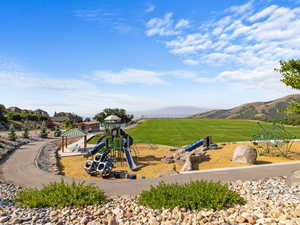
x,y
290,72
71,116
125,118
2,113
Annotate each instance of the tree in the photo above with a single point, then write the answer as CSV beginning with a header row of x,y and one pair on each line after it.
x,y
87,119
68,124
57,132
71,116
125,118
25,132
2,113
43,133
290,72
12,133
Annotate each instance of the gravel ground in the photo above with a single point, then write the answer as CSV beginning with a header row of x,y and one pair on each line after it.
x,y
269,201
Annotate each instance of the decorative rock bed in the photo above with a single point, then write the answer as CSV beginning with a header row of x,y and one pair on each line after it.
x,y
269,201
47,158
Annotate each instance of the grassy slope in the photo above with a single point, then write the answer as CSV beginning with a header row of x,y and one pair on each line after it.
x,y
178,132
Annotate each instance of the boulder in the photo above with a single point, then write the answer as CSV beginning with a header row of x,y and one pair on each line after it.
x,y
294,178
188,166
180,157
192,159
244,154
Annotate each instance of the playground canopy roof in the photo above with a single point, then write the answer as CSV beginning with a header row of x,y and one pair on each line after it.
x,y
112,118
74,133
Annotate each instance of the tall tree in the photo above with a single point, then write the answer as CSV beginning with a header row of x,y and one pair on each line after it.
x,y
290,72
125,118
2,113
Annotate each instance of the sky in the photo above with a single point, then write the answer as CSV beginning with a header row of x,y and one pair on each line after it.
x,y
83,56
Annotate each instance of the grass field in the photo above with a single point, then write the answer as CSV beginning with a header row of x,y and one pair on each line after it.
x,y
178,132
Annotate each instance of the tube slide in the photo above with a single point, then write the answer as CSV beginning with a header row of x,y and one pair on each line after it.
x,y
194,145
129,159
96,148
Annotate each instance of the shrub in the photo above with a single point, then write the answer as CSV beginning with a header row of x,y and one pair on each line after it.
x,y
59,194
57,132
12,133
2,145
193,196
25,132
273,141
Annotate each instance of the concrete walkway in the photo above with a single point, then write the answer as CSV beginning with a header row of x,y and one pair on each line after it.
x,y
20,168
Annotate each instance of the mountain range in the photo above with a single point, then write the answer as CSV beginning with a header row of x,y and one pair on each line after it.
x,y
254,111
170,112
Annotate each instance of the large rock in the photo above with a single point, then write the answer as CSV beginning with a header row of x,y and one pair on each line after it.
x,y
192,159
179,157
188,166
244,154
294,178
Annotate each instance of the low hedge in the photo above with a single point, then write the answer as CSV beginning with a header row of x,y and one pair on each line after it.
x,y
60,194
195,195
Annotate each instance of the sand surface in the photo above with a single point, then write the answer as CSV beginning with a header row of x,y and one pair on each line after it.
x,y
150,165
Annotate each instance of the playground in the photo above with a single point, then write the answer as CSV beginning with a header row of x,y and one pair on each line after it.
x,y
149,162
116,155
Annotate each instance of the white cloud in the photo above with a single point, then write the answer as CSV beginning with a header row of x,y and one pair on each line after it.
x,y
190,62
182,24
74,95
24,80
130,76
110,19
241,9
245,38
165,26
150,8
146,77
265,12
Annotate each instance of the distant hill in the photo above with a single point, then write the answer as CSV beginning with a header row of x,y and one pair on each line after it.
x,y
169,112
255,110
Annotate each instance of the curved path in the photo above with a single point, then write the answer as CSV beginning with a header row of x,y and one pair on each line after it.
x,y
20,168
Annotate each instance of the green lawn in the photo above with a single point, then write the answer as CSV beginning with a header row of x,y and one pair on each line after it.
x,y
178,132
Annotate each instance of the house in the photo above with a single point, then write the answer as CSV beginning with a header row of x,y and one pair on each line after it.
x,y
91,126
50,124
14,109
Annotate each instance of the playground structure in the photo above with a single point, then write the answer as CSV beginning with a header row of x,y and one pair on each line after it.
x,y
113,147
206,142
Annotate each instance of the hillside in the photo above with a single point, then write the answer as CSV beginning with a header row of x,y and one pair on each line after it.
x,y
255,110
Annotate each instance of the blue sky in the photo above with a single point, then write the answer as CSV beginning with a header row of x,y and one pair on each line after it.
x,y
83,55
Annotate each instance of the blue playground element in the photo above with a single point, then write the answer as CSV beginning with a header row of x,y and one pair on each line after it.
x,y
194,145
96,148
129,159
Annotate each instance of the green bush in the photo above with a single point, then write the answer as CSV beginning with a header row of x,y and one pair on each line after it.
x,y
12,133
193,196
25,132
59,194
43,133
273,141
2,145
